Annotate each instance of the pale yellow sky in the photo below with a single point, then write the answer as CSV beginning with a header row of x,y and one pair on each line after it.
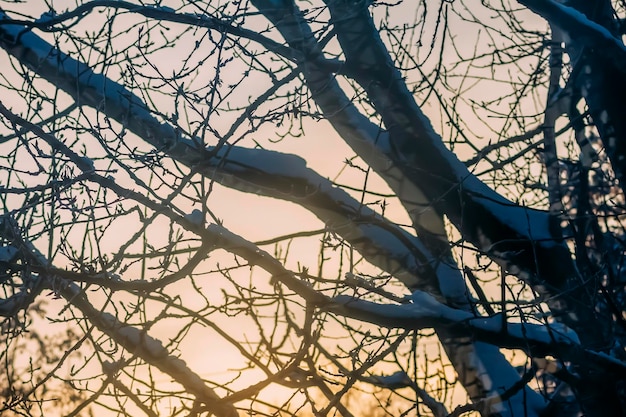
x,y
250,216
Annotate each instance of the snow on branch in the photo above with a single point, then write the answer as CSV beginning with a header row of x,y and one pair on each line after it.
x,y
581,29
382,243
400,379
426,176
151,350
519,238
134,340
426,312
259,171
368,140
414,146
88,87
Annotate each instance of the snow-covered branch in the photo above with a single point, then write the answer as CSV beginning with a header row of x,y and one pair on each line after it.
x,y
479,366
368,140
425,311
400,379
258,171
134,340
140,343
581,29
598,59
411,157
382,243
519,238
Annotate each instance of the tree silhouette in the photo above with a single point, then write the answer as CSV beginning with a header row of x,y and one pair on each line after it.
x,y
185,231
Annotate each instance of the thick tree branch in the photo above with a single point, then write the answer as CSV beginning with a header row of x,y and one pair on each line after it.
x,y
134,340
426,312
598,57
372,143
581,29
517,237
